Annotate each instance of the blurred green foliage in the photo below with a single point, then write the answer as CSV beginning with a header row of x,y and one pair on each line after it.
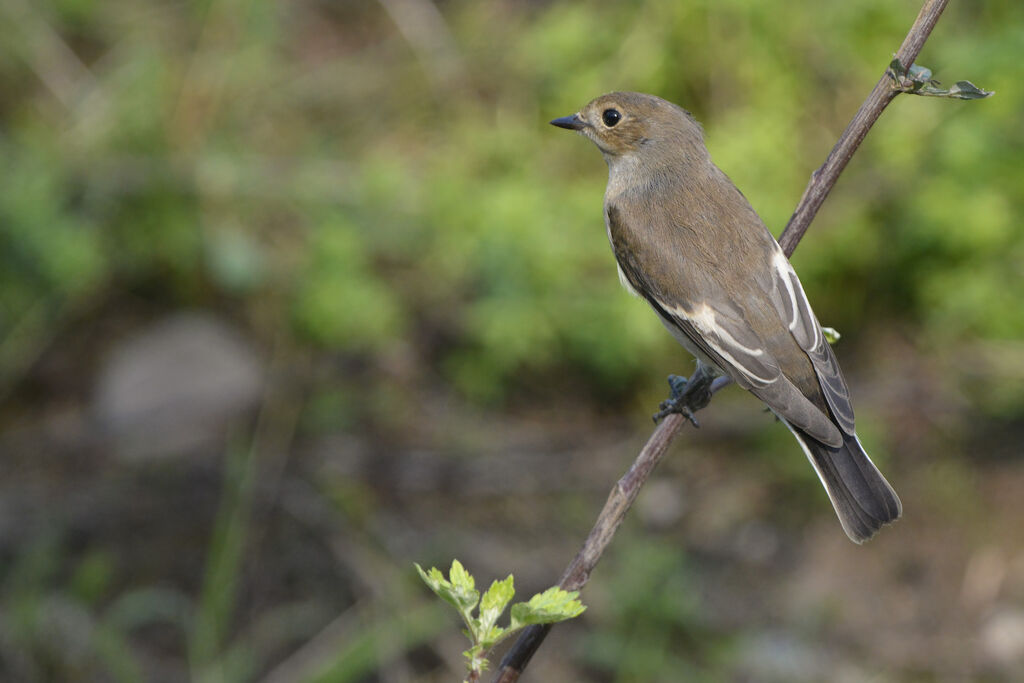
x,y
398,182
656,629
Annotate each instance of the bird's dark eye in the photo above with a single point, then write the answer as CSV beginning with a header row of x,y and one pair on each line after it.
x,y
611,117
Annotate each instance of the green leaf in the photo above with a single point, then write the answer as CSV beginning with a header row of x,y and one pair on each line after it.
x,y
493,603
831,334
549,607
434,578
965,90
459,592
961,90
462,579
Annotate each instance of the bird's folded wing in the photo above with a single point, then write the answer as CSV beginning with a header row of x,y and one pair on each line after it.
x,y
730,342
721,331
791,303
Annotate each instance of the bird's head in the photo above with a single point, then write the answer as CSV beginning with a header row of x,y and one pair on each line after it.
x,y
630,123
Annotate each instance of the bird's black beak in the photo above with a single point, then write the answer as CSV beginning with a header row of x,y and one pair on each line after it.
x,y
573,122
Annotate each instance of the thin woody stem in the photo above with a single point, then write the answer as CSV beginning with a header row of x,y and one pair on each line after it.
x,y
628,487
824,179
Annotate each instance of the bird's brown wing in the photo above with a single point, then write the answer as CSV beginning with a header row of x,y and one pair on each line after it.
x,y
721,324
788,298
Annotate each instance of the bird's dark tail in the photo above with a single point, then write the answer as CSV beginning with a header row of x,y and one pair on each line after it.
x,y
863,499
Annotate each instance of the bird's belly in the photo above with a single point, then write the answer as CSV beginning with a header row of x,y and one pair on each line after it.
x,y
688,344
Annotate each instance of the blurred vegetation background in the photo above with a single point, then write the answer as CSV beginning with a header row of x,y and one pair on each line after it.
x,y
295,294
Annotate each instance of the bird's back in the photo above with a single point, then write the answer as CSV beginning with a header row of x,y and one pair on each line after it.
x,y
701,243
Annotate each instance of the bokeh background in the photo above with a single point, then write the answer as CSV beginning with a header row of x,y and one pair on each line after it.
x,y
295,294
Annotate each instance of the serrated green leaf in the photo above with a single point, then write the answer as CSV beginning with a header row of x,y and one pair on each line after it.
x,y
464,587
549,607
494,601
459,592
462,579
434,579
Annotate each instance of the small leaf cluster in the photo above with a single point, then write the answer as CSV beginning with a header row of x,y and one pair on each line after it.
x,y
459,590
917,80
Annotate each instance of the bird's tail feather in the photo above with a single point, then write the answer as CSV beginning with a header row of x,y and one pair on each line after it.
x,y
862,498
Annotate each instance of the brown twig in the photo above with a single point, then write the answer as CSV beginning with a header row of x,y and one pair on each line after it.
x,y
626,489
885,91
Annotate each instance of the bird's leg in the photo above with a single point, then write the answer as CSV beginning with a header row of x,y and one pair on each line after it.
x,y
687,395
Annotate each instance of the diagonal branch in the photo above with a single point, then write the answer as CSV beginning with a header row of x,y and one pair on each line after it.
x,y
884,92
628,487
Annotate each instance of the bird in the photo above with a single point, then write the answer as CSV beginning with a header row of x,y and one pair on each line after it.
x,y
687,241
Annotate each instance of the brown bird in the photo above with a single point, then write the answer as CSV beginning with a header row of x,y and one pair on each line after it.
x,y
688,241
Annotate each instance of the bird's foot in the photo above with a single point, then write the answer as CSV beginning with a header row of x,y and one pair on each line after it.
x,y
687,396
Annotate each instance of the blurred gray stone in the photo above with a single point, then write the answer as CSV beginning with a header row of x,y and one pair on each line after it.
x,y
661,504
1002,639
778,655
175,386
756,543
